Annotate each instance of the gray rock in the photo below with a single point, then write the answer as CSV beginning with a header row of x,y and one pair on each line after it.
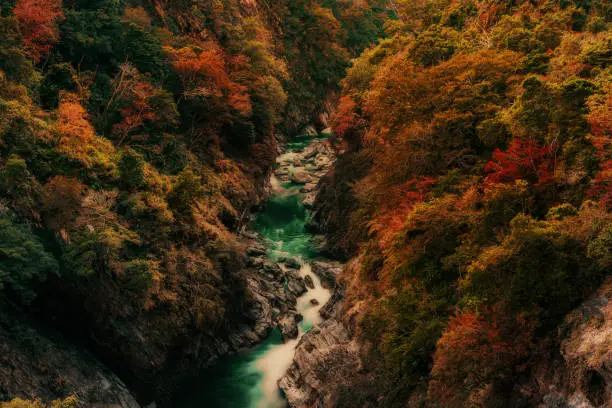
x,y
256,250
308,281
324,359
322,161
291,263
308,187
300,176
327,271
288,324
310,131
256,262
296,285
272,268
309,200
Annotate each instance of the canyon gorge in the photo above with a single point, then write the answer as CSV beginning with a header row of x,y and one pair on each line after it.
x,y
305,203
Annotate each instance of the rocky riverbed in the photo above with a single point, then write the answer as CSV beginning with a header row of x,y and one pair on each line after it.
x,y
289,288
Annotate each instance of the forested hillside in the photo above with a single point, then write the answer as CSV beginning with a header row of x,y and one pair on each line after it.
x,y
136,138
473,196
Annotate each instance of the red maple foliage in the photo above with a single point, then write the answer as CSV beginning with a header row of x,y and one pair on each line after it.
x,y
38,24
138,111
476,349
524,159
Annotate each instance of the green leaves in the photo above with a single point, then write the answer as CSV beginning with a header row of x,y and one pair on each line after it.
x,y
24,262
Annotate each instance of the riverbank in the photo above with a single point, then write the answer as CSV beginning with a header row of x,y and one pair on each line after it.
x,y
289,286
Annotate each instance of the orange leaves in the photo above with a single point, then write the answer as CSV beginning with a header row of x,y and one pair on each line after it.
x,y
600,121
38,24
473,83
138,111
239,99
77,138
202,72
345,117
72,121
62,200
205,73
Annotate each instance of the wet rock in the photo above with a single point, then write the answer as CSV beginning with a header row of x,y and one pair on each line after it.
x,y
288,324
291,263
314,302
310,131
257,262
309,151
256,250
322,161
327,271
272,268
309,200
300,176
308,281
331,309
250,235
281,172
308,187
296,285
324,359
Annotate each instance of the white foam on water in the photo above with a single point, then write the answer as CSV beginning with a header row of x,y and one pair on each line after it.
x,y
276,361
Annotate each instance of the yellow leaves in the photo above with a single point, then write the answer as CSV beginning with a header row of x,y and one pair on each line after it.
x,y
68,402
137,15
77,138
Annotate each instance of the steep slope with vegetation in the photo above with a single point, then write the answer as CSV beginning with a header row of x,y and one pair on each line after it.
x,y
135,139
473,194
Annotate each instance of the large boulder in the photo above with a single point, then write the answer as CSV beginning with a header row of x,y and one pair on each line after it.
x,y
299,175
288,324
327,271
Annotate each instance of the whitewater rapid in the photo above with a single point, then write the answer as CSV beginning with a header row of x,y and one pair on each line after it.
x,y
277,360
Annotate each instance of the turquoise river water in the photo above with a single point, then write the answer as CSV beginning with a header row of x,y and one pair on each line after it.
x,y
249,379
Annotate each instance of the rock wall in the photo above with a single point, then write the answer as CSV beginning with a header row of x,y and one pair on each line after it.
x,y
578,372
36,364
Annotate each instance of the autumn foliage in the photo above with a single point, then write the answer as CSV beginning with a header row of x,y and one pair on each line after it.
x,y
38,23
476,141
475,349
522,160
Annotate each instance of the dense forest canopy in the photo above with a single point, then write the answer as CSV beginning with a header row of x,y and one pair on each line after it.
x,y
472,192
135,139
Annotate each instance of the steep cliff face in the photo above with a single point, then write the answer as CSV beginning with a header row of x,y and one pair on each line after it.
x,y
39,365
577,372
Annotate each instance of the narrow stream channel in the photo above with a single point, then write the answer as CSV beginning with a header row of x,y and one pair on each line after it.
x,y
249,379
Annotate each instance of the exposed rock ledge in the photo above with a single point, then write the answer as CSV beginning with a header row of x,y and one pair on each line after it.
x,y
34,364
579,375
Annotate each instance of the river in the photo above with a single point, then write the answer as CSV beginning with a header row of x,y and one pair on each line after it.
x,y
249,379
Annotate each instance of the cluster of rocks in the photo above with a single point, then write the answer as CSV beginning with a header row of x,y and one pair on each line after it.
x,y
273,289
306,167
